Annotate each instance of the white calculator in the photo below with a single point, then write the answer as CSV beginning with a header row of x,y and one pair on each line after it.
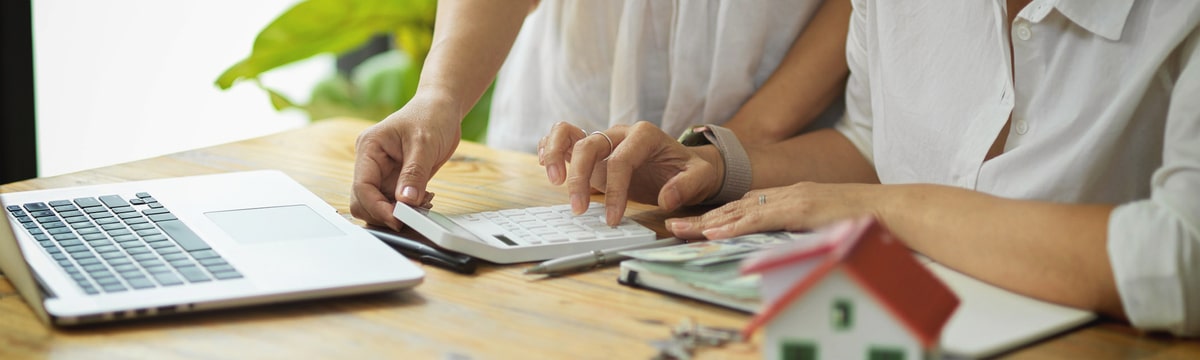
x,y
523,235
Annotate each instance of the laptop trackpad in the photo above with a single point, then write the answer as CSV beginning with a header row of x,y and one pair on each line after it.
x,y
268,224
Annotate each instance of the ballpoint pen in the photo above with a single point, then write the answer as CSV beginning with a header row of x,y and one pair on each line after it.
x,y
426,254
594,258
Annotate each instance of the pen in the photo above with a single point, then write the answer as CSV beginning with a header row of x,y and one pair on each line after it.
x,y
594,258
426,254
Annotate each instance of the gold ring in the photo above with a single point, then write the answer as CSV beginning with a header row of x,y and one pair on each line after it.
x,y
762,199
610,142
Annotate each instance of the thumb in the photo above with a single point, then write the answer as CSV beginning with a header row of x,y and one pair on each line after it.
x,y
688,187
418,167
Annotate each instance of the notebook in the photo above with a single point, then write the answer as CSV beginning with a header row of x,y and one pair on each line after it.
x,y
138,249
988,322
524,234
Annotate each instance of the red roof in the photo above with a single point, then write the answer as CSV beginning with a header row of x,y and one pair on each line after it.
x,y
881,264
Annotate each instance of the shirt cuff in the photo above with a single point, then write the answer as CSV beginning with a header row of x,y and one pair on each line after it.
x,y
1153,255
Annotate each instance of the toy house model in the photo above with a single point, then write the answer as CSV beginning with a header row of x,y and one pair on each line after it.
x,y
859,295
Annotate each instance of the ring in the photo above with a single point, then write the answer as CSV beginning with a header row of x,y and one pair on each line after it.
x,y
762,199
610,143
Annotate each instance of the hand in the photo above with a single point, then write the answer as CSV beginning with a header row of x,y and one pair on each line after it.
x,y
802,206
395,158
642,164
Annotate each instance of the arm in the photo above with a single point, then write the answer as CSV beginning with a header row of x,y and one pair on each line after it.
x,y
395,159
808,80
471,39
810,76
1136,260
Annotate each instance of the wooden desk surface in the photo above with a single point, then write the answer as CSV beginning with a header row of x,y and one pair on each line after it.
x,y
496,313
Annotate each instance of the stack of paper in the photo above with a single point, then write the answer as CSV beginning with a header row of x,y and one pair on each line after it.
x,y
707,270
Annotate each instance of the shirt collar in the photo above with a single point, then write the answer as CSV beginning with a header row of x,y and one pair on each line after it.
x,y
1102,17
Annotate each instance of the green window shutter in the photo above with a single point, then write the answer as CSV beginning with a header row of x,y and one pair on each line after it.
x,y
841,315
885,353
795,349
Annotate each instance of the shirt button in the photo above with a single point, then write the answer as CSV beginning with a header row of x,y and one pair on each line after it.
x,y
1023,31
1021,126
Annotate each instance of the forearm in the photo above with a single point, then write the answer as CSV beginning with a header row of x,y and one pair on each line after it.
x,y
823,156
1055,252
811,76
471,39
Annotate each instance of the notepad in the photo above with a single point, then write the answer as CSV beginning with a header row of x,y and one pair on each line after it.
x,y
989,320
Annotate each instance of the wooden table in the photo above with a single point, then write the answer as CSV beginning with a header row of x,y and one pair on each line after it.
x,y
498,313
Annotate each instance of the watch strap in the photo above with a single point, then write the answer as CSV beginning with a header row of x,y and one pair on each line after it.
x,y
737,177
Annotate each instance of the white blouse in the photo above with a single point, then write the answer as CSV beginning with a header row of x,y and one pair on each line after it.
x,y
1105,108
673,63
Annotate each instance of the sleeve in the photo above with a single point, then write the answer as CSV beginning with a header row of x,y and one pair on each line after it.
x,y
1154,244
855,123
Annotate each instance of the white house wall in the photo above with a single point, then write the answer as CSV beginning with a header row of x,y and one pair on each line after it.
x,y
809,318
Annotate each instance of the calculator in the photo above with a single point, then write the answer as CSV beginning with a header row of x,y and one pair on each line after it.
x,y
525,234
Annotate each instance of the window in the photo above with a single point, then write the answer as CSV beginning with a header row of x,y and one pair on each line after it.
x,y
841,315
876,352
795,349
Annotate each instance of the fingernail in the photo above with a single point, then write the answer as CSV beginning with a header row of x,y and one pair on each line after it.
x,y
610,213
716,233
678,225
577,204
671,198
409,192
554,173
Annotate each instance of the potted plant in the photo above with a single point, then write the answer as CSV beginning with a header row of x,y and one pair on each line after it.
x,y
372,88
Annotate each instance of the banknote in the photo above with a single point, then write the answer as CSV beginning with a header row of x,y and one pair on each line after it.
x,y
702,253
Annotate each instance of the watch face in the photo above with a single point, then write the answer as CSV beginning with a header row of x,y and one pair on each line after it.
x,y
694,136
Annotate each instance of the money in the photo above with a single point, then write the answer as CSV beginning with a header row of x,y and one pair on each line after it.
x,y
718,251
715,266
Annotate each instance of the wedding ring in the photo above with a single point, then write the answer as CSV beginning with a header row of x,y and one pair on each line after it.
x,y
762,199
610,142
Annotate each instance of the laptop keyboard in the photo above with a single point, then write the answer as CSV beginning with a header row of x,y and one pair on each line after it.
x,y
110,244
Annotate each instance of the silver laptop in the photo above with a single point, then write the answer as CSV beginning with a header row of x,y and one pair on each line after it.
x,y
147,248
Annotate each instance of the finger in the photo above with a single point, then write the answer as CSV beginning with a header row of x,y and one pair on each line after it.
x,y
556,150
369,199
722,222
428,204
374,208
585,155
633,148
754,213
541,147
691,186
415,171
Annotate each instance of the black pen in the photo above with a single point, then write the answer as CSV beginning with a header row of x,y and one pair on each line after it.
x,y
426,254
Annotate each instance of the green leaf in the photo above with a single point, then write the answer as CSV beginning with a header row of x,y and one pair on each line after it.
x,y
314,27
474,125
415,39
387,80
278,100
332,97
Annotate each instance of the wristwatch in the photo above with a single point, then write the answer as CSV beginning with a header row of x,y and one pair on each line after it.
x,y
737,175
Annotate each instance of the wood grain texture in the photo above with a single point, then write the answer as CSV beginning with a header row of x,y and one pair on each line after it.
x,y
498,313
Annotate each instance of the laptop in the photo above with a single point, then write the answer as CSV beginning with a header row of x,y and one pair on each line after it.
x,y
128,250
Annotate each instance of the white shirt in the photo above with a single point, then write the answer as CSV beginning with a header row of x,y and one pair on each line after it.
x,y
673,63
1105,109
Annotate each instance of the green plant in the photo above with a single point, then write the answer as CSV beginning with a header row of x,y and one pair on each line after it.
x,y
376,87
